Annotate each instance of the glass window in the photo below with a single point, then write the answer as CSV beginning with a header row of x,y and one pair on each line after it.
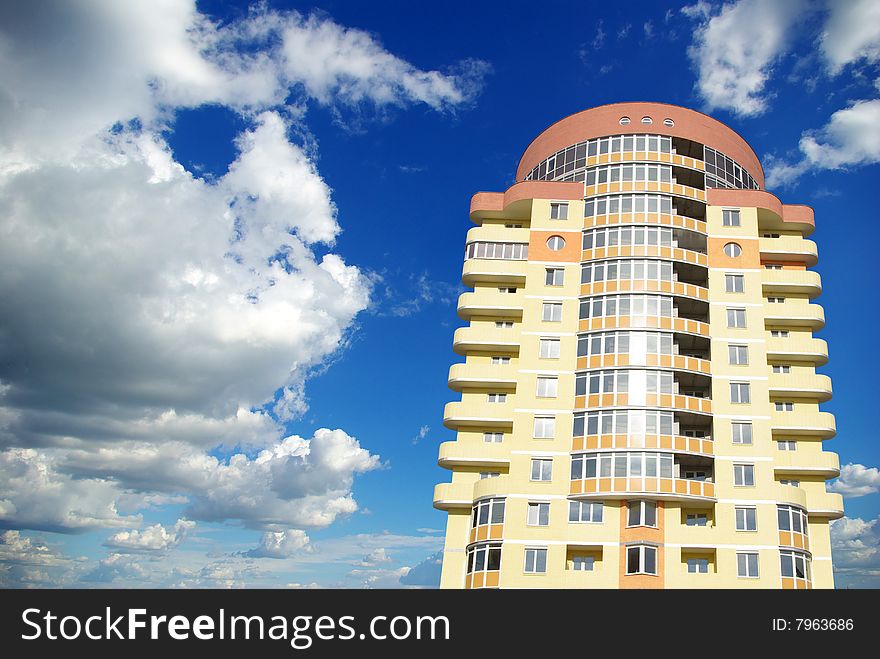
x,y
538,514
781,368
542,469
493,437
786,445
536,561
668,122
697,519
746,519
500,361
744,475
738,355
496,397
552,312
784,406
547,387
740,392
741,432
504,324
558,211
585,511
488,511
582,563
641,513
698,565
647,120
747,564
545,427
732,250
734,283
736,318
730,218
554,276
779,334
482,558
624,121
555,243
641,559
549,349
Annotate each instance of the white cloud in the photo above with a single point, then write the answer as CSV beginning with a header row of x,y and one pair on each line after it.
x,y
281,544
856,480
423,432
155,538
375,557
855,545
734,51
851,33
425,574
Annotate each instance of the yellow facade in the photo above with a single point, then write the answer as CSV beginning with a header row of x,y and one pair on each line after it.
x,y
641,413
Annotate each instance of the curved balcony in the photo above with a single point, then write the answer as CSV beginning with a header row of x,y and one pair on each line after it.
x,y
645,186
483,376
650,251
663,219
789,248
674,323
448,496
798,348
502,271
486,532
485,339
490,303
497,233
487,579
825,504
491,487
795,313
671,489
809,423
459,414
802,463
788,282
646,286
646,156
677,362
788,494
795,540
663,401
814,386
473,454
678,443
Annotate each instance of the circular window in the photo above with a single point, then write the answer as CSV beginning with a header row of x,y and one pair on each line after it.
x,y
647,120
668,122
555,243
732,250
624,121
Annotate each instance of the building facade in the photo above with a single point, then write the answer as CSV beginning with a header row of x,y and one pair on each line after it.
x,y
640,406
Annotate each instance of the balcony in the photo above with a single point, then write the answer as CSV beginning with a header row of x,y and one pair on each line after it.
x,y
813,386
473,454
798,347
501,271
788,494
498,233
803,423
789,248
492,303
485,338
788,282
795,313
645,186
806,463
647,286
491,487
459,414
677,402
825,504
664,219
635,251
703,446
674,323
453,495
483,376
678,362
672,489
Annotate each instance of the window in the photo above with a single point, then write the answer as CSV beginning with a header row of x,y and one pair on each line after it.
x,y
545,427
744,475
542,469
784,406
781,368
769,235
741,432
488,250
493,437
740,392
736,318
746,519
582,563
552,312
792,483
536,561
547,387
500,360
483,558
698,565
642,513
794,564
558,211
779,334
732,250
513,226
624,121
647,120
668,122
786,445
621,465
773,266
504,324
506,289
730,218
738,355
488,511
747,564
585,511
549,349
489,474
792,519
555,243
496,398
734,283
539,514
554,276
641,559
775,300
697,519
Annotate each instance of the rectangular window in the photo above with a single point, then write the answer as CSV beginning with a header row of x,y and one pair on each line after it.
x,y
582,563
547,387
786,481
552,312
536,561
496,398
779,334
784,406
736,318
769,235
747,564
698,565
539,514
558,211
554,276
786,445
642,513
641,559
781,368
489,474
549,349
775,300
740,392
773,266
744,475
741,432
734,283
697,519
585,511
542,469
545,427
500,361
506,289
746,519
738,355
504,324
730,218
493,437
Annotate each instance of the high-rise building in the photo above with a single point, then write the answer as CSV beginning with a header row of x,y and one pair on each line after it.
x,y
639,399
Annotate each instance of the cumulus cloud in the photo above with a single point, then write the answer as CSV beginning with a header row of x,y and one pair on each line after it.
x,y
425,574
851,33
735,50
281,544
855,544
856,480
375,557
155,538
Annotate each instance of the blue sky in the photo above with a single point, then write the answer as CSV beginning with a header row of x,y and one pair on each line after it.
x,y
220,221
